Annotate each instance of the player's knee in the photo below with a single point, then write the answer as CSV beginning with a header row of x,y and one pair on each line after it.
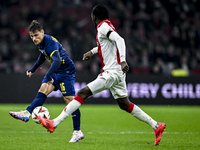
x,y
123,107
43,91
68,99
46,89
84,92
123,103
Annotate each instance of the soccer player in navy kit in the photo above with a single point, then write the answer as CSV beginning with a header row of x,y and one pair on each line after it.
x,y
61,75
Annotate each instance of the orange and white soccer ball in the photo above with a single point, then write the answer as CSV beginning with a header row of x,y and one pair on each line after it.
x,y
40,111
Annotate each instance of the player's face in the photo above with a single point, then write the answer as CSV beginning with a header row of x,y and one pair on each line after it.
x,y
37,36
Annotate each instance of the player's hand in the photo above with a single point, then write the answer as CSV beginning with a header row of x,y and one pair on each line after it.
x,y
28,73
50,82
124,67
87,55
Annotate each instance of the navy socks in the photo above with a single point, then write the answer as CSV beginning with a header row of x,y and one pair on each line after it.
x,y
76,115
38,101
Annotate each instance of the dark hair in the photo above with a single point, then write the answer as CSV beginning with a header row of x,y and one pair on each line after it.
x,y
100,12
35,25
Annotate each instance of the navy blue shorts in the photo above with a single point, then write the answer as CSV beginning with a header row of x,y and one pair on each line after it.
x,y
63,82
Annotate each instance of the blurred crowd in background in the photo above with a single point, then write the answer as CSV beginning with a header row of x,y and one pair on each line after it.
x,y
161,35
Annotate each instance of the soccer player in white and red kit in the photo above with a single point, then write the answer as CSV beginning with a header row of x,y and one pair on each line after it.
x,y
112,51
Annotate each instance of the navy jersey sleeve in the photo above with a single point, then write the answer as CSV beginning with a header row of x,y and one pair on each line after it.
x,y
53,51
54,66
39,61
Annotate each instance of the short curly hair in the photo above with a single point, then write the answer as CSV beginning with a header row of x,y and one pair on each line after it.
x,y
101,12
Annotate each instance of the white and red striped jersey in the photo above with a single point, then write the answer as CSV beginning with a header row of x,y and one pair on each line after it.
x,y
107,48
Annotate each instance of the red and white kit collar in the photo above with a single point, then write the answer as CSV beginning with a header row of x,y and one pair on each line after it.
x,y
108,22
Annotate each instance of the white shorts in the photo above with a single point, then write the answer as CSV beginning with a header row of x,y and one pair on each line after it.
x,y
113,80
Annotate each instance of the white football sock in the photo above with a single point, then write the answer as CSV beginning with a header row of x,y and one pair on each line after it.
x,y
68,110
141,115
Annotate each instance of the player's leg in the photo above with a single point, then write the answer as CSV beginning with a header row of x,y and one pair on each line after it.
x,y
128,106
39,100
76,117
119,92
65,84
44,90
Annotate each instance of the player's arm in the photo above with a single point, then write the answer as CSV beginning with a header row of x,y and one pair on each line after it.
x,y
114,36
41,59
54,66
89,54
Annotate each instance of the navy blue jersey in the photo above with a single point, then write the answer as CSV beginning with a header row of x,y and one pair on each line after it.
x,y
49,46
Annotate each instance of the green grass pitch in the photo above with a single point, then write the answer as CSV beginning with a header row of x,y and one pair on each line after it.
x,y
105,127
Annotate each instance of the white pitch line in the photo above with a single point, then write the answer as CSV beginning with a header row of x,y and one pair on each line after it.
x,y
129,132
148,132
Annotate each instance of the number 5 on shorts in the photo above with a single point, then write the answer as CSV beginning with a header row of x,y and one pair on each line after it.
x,y
62,88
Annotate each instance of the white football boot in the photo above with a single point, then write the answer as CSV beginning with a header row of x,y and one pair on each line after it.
x,y
77,136
21,115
